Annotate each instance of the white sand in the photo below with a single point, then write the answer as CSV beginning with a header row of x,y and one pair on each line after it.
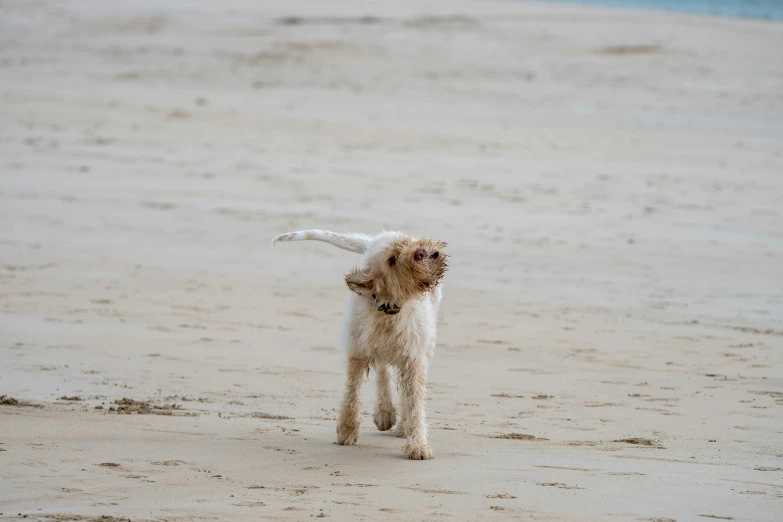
x,y
609,183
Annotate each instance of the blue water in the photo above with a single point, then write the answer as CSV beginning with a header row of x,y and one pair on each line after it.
x,y
762,9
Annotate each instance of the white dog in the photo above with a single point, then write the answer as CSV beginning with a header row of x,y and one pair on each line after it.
x,y
391,320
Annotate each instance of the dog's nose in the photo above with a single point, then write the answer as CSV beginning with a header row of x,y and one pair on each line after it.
x,y
419,254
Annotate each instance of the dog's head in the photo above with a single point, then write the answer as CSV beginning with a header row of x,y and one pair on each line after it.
x,y
400,267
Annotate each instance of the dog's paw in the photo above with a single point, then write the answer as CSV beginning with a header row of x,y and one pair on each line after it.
x,y
384,419
400,431
347,435
419,452
385,306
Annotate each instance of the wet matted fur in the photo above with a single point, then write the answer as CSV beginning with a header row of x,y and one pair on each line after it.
x,y
390,321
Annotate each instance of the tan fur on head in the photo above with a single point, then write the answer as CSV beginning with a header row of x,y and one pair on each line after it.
x,y
361,282
393,269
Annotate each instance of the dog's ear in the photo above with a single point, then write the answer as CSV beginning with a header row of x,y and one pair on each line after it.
x,y
360,281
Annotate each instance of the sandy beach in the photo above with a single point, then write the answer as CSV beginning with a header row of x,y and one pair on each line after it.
x,y
609,183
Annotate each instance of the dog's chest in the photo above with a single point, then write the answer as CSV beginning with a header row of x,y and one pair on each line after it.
x,y
409,334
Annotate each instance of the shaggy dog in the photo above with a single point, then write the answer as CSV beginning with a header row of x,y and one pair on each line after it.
x,y
390,321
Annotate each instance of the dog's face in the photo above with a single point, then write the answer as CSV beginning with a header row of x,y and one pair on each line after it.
x,y
400,267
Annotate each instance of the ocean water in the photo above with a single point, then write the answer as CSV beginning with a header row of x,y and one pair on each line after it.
x,y
762,9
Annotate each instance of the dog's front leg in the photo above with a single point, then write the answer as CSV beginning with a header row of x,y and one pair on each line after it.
x,y
414,381
402,422
348,424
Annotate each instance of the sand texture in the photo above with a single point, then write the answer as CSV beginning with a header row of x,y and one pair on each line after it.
x,y
610,184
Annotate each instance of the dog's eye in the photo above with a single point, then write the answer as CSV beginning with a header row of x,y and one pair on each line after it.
x,y
392,261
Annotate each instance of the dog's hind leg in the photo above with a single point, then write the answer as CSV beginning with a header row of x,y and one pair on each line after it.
x,y
348,423
385,416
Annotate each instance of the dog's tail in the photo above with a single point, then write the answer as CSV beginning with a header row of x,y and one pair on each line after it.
x,y
358,243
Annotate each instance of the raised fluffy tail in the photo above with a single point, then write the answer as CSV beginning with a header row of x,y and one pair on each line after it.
x,y
353,242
